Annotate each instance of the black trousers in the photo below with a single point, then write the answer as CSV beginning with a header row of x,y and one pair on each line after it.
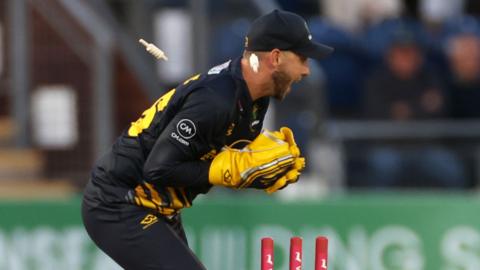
x,y
138,239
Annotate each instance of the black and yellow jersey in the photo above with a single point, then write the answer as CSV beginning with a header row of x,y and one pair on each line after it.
x,y
162,160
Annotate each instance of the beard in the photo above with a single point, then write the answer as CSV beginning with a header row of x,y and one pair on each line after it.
x,y
281,84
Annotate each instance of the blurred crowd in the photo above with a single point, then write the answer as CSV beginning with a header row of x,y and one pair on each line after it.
x,y
429,47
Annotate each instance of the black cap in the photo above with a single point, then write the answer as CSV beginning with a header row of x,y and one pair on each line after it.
x,y
285,31
403,37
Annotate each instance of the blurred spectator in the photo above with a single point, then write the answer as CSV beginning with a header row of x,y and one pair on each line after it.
x,y
378,37
439,19
405,90
463,53
441,45
344,70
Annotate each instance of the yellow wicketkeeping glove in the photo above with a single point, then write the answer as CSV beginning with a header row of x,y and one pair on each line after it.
x,y
258,165
292,175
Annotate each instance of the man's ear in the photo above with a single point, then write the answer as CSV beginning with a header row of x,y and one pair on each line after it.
x,y
274,57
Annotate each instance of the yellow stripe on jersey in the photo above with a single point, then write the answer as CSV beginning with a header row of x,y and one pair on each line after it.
x,y
193,78
155,196
146,195
185,199
140,192
146,119
175,203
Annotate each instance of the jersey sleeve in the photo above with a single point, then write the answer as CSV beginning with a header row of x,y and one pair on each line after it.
x,y
175,158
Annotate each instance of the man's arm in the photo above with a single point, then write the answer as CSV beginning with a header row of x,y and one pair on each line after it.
x,y
175,158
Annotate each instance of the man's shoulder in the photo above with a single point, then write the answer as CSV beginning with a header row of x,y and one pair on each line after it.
x,y
218,87
221,82
221,76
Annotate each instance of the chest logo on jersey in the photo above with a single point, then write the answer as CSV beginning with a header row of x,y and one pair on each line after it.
x,y
186,128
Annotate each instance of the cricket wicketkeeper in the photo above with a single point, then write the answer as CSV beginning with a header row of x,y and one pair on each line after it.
x,y
206,132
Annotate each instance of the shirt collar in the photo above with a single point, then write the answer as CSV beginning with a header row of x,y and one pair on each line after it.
x,y
236,68
242,88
